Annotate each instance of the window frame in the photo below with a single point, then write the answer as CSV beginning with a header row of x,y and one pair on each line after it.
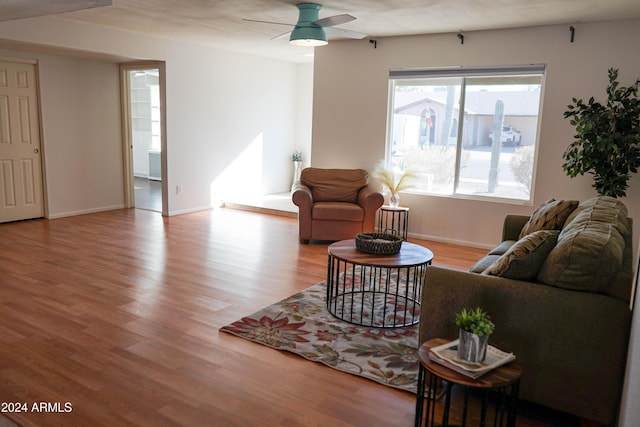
x,y
465,72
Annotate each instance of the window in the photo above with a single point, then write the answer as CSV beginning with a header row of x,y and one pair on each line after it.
x,y
469,132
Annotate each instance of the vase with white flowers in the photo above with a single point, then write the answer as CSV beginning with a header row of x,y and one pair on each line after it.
x,y
393,182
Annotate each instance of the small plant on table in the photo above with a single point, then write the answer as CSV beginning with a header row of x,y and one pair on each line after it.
x,y
475,327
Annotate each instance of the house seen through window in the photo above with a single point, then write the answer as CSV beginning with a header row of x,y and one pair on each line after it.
x,y
469,132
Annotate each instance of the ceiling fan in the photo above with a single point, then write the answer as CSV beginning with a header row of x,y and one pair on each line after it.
x,y
311,31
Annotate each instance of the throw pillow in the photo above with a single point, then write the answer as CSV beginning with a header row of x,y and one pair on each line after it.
x,y
590,250
523,260
550,215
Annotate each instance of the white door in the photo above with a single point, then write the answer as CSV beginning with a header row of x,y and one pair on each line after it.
x,y
21,195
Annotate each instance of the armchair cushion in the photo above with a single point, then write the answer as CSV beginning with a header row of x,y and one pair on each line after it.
x,y
337,211
334,185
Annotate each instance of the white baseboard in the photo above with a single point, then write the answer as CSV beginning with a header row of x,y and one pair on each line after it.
x,y
440,239
84,211
192,210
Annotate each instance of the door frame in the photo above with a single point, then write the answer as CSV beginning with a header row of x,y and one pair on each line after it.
x,y
127,147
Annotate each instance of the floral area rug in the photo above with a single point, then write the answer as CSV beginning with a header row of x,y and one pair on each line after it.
x,y
301,324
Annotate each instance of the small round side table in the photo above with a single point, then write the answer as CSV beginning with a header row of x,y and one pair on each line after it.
x,y
504,379
394,219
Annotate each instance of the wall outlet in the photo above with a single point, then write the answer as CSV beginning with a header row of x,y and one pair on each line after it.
x,y
178,189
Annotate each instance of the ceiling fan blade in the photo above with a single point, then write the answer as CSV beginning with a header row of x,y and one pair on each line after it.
x,y
330,21
339,32
11,10
268,22
279,36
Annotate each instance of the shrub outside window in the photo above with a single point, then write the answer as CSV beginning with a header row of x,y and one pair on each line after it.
x,y
470,132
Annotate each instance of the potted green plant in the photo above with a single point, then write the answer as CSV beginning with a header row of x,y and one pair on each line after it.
x,y
475,327
607,139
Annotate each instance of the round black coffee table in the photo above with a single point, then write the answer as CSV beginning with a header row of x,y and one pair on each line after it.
x,y
382,291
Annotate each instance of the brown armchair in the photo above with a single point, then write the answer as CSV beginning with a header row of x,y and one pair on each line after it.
x,y
335,204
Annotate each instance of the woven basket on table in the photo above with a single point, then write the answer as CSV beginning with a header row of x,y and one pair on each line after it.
x,y
378,243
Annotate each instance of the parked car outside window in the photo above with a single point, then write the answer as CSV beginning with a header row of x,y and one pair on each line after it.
x,y
510,135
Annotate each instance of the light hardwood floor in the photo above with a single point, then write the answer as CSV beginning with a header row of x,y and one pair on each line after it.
x,y
115,316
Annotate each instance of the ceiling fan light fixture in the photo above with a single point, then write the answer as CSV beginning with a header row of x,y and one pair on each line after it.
x,y
312,35
306,32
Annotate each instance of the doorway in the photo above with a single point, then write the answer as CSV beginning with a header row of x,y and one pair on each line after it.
x,y
144,123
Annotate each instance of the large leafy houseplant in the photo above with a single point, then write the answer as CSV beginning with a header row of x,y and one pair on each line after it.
x,y
607,139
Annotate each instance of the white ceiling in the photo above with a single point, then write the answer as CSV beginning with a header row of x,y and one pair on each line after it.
x,y
220,23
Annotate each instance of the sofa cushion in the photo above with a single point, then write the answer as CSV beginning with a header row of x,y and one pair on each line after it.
x,y
334,185
589,252
502,247
337,211
551,215
483,263
523,260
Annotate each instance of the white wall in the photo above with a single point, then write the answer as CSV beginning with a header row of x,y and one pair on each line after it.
x,y
350,110
304,112
230,125
231,118
81,136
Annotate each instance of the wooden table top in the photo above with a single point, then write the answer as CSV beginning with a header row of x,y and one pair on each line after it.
x,y
500,377
394,209
410,254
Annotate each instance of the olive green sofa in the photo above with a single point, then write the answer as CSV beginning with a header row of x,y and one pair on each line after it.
x,y
564,311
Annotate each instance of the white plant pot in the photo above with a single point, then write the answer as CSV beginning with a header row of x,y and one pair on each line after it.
x,y
297,170
394,200
472,348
